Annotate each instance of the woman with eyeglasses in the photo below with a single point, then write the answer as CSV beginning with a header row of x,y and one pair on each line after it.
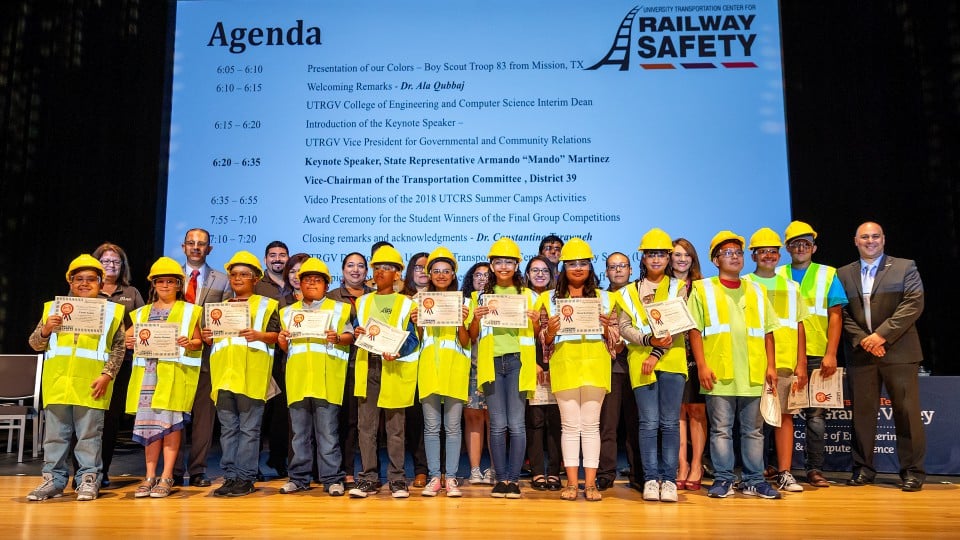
x,y
476,417
579,366
658,368
443,378
414,281
116,288
543,420
506,366
291,281
685,266
161,391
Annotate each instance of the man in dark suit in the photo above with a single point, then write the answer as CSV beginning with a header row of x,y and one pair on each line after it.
x,y
203,285
882,346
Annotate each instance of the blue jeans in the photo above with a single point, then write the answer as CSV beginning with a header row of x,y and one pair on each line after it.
x,y
452,412
313,419
721,411
816,427
240,418
506,405
62,422
658,406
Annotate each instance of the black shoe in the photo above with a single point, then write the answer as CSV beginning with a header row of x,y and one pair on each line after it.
x,y
513,490
105,481
199,480
553,483
241,488
226,488
539,483
604,483
859,479
499,490
912,483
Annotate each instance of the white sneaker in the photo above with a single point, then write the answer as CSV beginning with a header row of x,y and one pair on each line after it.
x,y
476,477
89,488
490,477
786,482
668,492
432,488
335,490
453,488
46,490
651,490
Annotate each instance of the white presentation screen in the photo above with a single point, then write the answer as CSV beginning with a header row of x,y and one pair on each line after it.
x,y
332,125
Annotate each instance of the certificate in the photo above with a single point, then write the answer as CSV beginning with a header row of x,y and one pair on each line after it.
x,y
156,340
826,393
798,398
542,395
579,316
381,338
226,319
306,323
506,310
669,317
80,315
440,308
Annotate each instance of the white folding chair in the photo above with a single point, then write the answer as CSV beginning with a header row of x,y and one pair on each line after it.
x,y
20,398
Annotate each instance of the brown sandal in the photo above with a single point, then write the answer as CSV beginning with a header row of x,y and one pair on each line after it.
x,y
163,488
591,493
143,490
569,492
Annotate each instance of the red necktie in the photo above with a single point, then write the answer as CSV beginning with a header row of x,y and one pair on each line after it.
x,y
191,294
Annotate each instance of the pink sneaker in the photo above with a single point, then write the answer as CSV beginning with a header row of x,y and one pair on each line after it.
x,y
453,488
432,488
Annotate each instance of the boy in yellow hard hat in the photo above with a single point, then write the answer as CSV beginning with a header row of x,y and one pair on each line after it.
x,y
77,383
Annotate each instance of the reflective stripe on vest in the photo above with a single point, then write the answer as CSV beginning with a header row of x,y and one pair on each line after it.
x,y
761,313
712,311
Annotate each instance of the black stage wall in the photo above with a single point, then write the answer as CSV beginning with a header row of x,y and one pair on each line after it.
x,y
873,114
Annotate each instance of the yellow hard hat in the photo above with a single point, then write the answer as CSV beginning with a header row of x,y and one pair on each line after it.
x,y
765,237
576,249
442,253
245,258
387,254
84,261
165,266
656,239
798,228
724,236
505,247
314,266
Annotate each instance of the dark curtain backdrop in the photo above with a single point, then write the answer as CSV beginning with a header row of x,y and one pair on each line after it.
x,y
873,114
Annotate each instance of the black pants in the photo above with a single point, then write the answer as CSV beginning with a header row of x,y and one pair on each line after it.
x,y
618,416
543,424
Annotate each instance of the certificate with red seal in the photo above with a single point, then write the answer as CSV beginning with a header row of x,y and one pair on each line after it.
x,y
440,308
308,323
156,340
226,319
826,393
506,310
579,316
381,338
669,318
80,315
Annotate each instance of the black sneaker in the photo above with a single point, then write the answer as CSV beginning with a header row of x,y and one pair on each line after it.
x,y
241,488
363,488
398,489
513,490
227,486
604,483
500,490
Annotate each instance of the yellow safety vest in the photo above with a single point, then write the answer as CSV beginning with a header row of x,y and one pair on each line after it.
x,y
69,368
315,367
814,289
398,378
578,360
674,359
528,348
785,298
444,363
176,377
717,343
240,366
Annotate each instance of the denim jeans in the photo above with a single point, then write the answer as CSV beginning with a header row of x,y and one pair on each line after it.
x,y
451,414
317,420
658,406
816,427
506,405
62,421
240,418
721,411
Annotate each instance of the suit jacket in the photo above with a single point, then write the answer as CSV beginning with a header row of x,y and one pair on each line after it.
x,y
896,303
215,288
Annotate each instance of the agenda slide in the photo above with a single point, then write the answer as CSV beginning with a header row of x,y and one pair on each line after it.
x,y
333,125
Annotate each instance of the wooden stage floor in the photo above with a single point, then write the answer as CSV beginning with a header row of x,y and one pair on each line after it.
x,y
877,511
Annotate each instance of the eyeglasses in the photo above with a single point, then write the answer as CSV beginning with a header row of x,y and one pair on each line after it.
x,y
766,251
166,282
730,253
800,245
84,279
552,247
576,264
618,266
191,243
355,266
441,271
310,280
540,271
111,262
418,268
384,268
482,276
503,263
656,254
241,275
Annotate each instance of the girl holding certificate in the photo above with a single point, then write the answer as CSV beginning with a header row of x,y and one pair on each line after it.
x,y
476,417
658,368
579,364
506,362
161,392
444,376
